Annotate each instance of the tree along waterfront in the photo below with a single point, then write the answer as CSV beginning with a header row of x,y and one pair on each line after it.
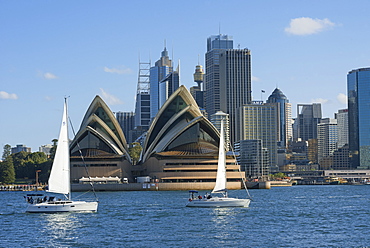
x,y
22,167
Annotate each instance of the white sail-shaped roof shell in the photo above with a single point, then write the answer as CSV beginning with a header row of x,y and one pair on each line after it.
x,y
100,122
178,115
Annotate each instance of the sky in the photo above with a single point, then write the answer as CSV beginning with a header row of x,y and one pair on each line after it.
x,y
80,49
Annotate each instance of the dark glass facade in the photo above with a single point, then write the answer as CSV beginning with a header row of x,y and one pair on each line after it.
x,y
308,116
215,45
358,88
281,101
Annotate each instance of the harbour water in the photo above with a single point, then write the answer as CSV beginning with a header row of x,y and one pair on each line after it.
x,y
298,216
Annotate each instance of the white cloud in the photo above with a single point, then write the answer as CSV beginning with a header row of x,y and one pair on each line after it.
x,y
49,76
6,95
342,98
307,26
255,79
119,70
110,99
320,100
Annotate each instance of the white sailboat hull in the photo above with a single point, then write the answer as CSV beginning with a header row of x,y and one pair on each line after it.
x,y
220,186
59,180
62,206
219,202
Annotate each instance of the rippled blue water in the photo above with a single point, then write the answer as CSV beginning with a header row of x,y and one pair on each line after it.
x,y
298,216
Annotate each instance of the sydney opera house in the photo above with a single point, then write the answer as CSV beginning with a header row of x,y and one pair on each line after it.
x,y
180,151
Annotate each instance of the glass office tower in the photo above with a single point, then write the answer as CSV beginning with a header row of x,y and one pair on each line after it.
x,y
284,116
215,45
235,84
258,121
158,72
227,79
358,90
308,116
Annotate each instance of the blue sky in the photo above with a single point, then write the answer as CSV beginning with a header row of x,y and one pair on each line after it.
x,y
52,49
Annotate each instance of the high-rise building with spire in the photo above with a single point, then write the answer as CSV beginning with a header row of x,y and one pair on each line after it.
x,y
161,69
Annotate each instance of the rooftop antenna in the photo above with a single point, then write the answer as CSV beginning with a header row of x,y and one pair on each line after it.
x,y
198,59
219,28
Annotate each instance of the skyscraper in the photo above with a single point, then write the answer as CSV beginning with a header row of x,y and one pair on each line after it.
x,y
342,118
358,90
308,116
168,85
235,84
258,122
254,159
215,45
284,116
227,78
142,106
158,72
327,138
127,122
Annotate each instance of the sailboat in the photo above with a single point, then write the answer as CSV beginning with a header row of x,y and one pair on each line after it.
x,y
59,181
220,186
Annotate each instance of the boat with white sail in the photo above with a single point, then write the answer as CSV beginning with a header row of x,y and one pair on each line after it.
x,y
220,187
59,181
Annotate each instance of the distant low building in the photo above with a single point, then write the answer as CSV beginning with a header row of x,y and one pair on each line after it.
x,y
20,148
46,149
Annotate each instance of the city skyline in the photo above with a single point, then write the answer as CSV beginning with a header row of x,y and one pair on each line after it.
x,y
82,49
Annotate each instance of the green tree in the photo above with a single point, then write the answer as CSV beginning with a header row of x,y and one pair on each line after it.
x,y
26,164
278,175
7,174
134,152
45,171
53,149
7,151
20,165
35,162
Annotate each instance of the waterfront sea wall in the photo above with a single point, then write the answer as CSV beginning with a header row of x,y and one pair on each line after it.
x,y
153,186
148,186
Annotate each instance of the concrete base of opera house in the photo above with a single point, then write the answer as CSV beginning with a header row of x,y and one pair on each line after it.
x,y
164,186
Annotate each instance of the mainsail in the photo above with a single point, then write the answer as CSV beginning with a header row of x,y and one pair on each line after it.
x,y
221,168
59,180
